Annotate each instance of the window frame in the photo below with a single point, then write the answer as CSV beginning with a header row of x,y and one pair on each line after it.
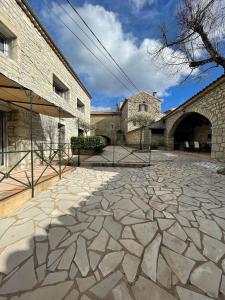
x,y
143,105
59,88
80,106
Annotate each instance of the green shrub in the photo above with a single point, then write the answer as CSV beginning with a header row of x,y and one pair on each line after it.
x,y
96,143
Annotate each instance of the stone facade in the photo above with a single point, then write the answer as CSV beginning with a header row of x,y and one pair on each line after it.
x,y
36,60
209,103
107,124
124,131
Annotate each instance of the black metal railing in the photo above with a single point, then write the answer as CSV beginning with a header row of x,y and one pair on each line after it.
x,y
29,168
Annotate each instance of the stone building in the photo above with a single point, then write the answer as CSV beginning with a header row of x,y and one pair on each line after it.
x,y
199,123
32,67
115,126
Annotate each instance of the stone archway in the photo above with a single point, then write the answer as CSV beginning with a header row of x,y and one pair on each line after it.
x,y
191,127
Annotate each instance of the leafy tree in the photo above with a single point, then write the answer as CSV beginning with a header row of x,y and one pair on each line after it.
x,y
141,120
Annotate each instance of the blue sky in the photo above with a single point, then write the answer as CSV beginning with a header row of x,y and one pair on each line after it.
x,y
128,29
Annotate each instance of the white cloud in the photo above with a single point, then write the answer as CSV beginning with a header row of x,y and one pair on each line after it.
x,y
138,4
102,108
147,74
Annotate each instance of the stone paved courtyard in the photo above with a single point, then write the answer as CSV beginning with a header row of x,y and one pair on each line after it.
x,y
120,233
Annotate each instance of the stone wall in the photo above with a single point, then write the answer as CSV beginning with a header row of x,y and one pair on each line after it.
x,y
33,65
106,124
154,107
211,104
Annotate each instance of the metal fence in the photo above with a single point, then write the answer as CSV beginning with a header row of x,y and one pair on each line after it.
x,y
33,167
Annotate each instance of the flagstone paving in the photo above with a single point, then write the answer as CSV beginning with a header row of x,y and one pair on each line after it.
x,y
153,233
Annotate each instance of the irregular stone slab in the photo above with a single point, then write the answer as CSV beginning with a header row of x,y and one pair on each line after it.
x,y
73,295
149,262
14,254
145,232
189,200
81,258
110,262
112,227
130,266
114,245
41,252
40,271
173,242
55,277
106,285
69,240
133,247
67,257
220,222
22,280
85,283
16,233
130,220
177,230
210,227
179,264
5,224
89,234
73,271
127,233
213,248
182,220
94,259
222,286
194,235
163,273
55,235
99,243
165,223
56,292
53,256
121,292
144,289
219,212
185,294
207,278
125,204
193,253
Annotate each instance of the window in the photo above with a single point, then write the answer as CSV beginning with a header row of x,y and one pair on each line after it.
x,y
59,88
3,44
143,107
8,42
80,106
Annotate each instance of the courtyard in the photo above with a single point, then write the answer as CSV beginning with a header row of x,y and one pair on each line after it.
x,y
120,233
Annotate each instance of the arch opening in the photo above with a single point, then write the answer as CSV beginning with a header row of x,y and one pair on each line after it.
x,y
107,139
193,132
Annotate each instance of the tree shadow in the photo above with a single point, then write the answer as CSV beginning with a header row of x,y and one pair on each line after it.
x,y
40,262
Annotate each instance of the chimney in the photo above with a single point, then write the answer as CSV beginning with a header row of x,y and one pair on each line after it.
x,y
154,94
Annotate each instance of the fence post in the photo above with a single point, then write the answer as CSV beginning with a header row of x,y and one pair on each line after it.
x,y
78,157
59,146
30,95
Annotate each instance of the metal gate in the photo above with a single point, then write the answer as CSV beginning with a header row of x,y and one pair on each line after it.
x,y
118,156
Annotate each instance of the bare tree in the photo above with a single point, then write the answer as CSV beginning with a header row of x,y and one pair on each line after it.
x,y
199,40
141,120
86,126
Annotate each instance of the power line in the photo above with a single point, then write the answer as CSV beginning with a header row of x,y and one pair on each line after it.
x,y
85,33
87,48
113,59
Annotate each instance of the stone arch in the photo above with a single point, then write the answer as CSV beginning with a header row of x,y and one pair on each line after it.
x,y
190,126
108,139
